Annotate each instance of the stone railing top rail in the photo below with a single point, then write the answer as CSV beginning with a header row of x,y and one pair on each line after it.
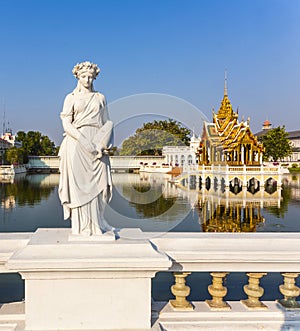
x,y
138,157
5,166
9,244
232,252
39,157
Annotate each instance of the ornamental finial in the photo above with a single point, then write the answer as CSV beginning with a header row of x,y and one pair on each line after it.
x,y
225,83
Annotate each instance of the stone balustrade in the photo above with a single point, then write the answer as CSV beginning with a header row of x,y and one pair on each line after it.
x,y
224,253
117,162
112,278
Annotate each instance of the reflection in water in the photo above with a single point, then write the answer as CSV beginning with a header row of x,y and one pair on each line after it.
x,y
27,190
229,211
150,202
30,202
239,209
280,210
293,183
8,202
154,204
148,197
233,217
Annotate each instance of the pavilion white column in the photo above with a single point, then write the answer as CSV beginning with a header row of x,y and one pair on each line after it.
x,y
242,154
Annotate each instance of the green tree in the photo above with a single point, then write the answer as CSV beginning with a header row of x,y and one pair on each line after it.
x,y
11,155
21,135
277,144
16,155
34,143
152,136
47,146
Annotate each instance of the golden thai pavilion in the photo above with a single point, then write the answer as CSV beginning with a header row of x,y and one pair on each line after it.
x,y
228,141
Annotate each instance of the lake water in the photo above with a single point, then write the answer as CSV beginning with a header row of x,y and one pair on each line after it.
x,y
150,202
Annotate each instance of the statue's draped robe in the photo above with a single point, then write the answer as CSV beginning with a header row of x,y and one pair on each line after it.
x,y
85,180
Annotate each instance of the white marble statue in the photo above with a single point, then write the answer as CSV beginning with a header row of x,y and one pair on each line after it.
x,y
85,178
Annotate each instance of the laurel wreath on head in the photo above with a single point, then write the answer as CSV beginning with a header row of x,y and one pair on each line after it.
x,y
86,66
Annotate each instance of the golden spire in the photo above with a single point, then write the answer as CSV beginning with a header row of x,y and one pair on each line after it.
x,y
225,83
225,110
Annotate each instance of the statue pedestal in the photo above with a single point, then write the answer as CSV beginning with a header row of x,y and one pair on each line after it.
x,y
88,285
108,236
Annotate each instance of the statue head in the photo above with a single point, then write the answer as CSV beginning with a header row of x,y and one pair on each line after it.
x,y
86,67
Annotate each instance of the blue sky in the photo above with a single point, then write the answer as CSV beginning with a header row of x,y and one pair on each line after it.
x,y
175,47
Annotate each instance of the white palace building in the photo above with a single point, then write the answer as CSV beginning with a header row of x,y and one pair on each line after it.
x,y
294,137
182,155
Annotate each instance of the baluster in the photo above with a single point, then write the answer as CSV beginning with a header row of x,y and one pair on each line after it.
x,y
290,291
218,292
254,291
180,290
